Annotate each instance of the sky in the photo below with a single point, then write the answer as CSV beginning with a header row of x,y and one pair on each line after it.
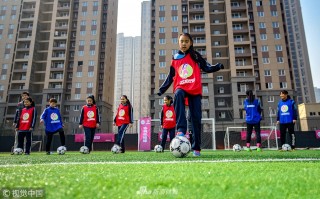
x,y
129,19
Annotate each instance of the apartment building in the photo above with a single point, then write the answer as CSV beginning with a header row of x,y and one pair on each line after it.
x,y
58,48
248,37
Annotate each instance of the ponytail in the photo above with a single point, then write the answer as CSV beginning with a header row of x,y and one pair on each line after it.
x,y
250,96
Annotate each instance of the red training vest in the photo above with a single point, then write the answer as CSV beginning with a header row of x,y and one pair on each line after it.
x,y
123,115
187,75
169,117
26,117
90,116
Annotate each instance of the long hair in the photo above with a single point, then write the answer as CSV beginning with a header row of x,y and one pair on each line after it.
x,y
92,97
128,101
169,98
250,96
195,56
31,100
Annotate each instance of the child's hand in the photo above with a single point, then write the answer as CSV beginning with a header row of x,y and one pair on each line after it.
x,y
80,126
97,125
130,125
41,121
30,129
114,124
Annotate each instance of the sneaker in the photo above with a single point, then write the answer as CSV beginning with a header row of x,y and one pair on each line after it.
x,y
248,149
196,153
26,153
179,134
259,149
48,153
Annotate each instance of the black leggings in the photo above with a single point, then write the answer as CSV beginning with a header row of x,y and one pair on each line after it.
x,y
50,136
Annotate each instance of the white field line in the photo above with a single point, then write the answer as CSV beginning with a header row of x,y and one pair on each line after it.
x,y
164,162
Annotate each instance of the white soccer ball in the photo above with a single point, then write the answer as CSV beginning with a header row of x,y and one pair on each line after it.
x,y
180,146
18,151
116,149
236,148
61,150
286,147
158,148
84,150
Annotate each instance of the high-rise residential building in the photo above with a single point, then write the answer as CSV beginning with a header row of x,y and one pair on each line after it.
x,y
317,94
299,56
64,49
128,72
145,86
248,37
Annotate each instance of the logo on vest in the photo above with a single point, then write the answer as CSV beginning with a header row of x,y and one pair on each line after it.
x,y
54,116
90,115
185,71
169,114
25,117
284,108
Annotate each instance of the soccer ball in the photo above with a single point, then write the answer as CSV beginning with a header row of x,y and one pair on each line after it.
x,y
180,146
158,149
286,147
61,150
116,149
18,151
236,148
84,150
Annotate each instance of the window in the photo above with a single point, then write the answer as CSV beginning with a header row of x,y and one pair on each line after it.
x,y
219,78
174,29
161,19
280,59
283,84
78,85
77,96
263,36
259,3
278,47
162,41
205,89
174,7
282,72
162,64
267,73
236,15
265,60
80,53
221,90
222,115
94,22
260,14
275,24
162,30
92,52
162,76
221,102
90,74
91,63
162,52
264,48
237,26
161,102
174,18
269,85
274,13
273,2
161,8
270,98
3,77
90,85
277,36
174,40
79,74
262,25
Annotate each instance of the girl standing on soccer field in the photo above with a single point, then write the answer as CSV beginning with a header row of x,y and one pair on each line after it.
x,y
51,118
253,118
185,74
167,120
123,120
89,120
25,124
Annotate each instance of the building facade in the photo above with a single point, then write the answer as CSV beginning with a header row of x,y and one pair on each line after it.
x,y
248,37
309,116
299,56
128,72
59,48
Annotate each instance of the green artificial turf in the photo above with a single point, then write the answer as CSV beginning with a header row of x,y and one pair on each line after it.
x,y
216,174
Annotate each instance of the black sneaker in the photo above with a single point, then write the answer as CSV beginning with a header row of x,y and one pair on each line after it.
x,y
26,153
48,153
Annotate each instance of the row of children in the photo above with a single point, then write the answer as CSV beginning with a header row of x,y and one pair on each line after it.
x,y
26,115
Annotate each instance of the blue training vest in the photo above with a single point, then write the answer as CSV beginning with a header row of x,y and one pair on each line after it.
x,y
252,111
